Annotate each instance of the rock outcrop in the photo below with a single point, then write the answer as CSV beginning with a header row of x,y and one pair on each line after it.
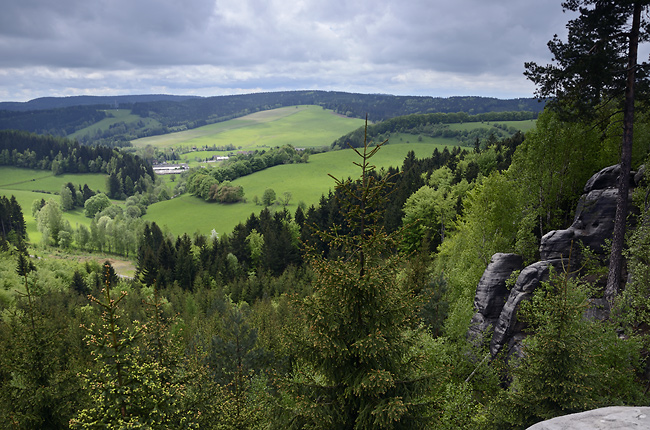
x,y
592,226
614,417
492,292
594,219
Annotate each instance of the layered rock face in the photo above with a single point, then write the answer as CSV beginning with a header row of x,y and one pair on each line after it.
x,y
497,307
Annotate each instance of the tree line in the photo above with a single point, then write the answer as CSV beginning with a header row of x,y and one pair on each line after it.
x,y
128,173
214,184
437,125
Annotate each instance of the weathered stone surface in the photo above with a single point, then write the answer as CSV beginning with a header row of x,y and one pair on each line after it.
x,y
492,292
592,226
614,417
507,325
606,178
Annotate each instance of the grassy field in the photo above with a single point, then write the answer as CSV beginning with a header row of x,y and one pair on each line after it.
x,y
300,126
43,180
306,183
519,125
522,126
115,116
29,185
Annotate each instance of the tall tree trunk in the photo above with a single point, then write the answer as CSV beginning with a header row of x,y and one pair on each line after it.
x,y
618,241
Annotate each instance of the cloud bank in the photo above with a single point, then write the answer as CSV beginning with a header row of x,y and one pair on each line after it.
x,y
214,47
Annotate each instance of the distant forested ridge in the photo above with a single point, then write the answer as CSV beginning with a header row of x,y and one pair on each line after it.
x,y
64,116
378,107
127,172
437,125
56,122
45,103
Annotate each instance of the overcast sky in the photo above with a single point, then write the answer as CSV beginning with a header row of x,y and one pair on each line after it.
x,y
216,47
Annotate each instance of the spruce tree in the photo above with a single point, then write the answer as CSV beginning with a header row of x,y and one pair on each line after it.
x,y
353,367
36,384
133,384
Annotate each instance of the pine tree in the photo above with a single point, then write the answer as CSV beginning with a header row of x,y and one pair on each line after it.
x,y
598,68
37,391
353,369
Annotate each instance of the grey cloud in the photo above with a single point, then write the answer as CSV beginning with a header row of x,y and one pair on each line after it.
x,y
209,45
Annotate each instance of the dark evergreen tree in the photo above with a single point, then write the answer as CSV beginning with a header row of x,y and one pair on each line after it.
x,y
185,268
114,186
38,390
78,283
353,350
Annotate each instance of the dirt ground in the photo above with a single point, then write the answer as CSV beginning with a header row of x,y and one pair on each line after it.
x,y
122,266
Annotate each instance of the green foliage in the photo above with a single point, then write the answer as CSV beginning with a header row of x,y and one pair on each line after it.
x,y
430,212
582,78
36,384
571,363
96,204
268,197
465,129
632,308
489,225
551,169
51,224
67,201
12,223
127,388
353,364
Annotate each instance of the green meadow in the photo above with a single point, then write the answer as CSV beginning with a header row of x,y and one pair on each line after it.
x,y
300,126
306,182
28,185
114,116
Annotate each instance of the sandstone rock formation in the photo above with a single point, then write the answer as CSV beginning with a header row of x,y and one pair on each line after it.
x,y
492,292
593,224
614,417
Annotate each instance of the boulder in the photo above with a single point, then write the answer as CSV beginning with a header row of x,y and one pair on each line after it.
x,y
592,225
606,178
613,417
593,222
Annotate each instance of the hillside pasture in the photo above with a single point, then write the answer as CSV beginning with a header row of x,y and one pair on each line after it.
x,y
522,126
28,185
306,182
114,116
300,126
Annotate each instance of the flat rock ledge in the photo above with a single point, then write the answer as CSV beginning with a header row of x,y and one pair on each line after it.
x,y
613,417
